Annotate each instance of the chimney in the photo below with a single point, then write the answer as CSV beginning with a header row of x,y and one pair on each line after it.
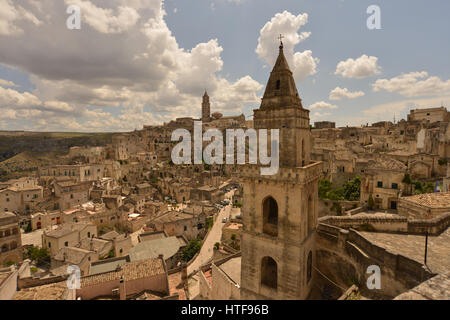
x,y
122,289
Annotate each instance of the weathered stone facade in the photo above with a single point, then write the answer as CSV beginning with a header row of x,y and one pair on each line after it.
x,y
280,211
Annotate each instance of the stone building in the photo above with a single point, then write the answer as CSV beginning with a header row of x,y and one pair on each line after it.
x,y
425,206
429,115
71,194
20,195
280,211
67,235
383,180
324,125
10,239
206,108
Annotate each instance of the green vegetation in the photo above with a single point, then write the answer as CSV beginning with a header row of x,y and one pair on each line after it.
x,y
33,269
9,263
209,223
28,229
37,254
217,245
237,205
350,191
423,187
442,161
419,187
191,249
337,208
111,254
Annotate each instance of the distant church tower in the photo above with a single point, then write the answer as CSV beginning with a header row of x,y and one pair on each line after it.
x,y
206,108
280,211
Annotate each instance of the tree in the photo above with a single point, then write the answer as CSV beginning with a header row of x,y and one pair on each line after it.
x,y
38,254
352,189
407,180
324,188
370,202
217,245
191,249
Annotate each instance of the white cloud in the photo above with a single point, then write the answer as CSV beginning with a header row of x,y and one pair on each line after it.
x,y
303,63
6,83
117,74
103,20
362,67
322,105
341,93
413,84
320,115
11,14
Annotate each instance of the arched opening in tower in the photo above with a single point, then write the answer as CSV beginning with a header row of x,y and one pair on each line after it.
x,y
270,217
269,273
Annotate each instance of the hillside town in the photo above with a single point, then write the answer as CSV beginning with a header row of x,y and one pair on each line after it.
x,y
127,223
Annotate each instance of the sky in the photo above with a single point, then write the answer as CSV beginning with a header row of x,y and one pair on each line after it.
x,y
145,62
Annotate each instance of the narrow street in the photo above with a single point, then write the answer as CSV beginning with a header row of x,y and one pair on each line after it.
x,y
207,250
215,235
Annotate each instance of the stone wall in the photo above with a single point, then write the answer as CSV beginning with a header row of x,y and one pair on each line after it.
x,y
394,224
351,254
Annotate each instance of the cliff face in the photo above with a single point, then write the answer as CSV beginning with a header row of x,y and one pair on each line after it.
x,y
21,153
13,143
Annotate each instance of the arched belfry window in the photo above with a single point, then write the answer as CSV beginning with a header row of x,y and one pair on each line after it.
x,y
270,217
269,273
278,84
309,267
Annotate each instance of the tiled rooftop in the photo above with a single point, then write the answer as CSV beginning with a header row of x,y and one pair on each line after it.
x,y
130,271
432,200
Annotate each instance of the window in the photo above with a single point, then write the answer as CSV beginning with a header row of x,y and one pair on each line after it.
x,y
49,244
89,234
380,184
66,243
278,84
394,186
270,217
121,250
269,273
185,228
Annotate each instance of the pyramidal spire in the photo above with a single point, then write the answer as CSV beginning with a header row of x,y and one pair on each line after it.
x,y
280,89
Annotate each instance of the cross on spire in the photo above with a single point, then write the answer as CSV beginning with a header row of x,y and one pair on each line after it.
x,y
281,40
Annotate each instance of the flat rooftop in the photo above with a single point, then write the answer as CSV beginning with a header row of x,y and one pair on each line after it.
x,y
232,268
413,247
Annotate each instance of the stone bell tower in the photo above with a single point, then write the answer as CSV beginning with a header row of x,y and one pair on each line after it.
x,y
280,211
206,108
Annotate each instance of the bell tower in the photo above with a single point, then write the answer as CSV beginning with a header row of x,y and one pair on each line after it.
x,y
206,108
280,211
